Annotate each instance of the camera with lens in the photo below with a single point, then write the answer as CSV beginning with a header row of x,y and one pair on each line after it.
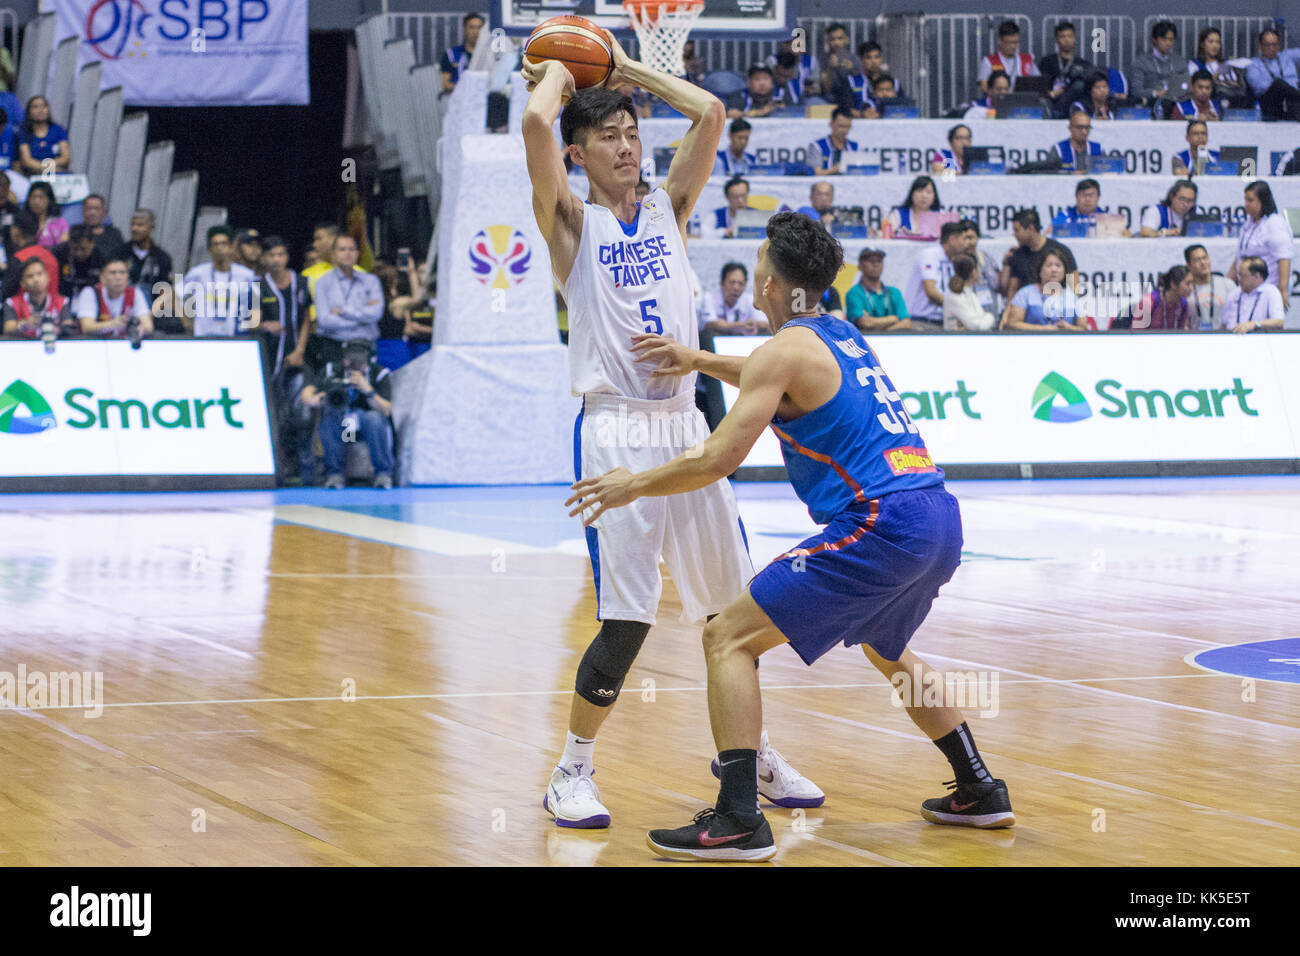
x,y
338,387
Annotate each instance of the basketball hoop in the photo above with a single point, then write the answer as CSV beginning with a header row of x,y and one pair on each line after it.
x,y
661,27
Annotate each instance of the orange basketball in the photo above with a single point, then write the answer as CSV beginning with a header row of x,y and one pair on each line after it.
x,y
577,43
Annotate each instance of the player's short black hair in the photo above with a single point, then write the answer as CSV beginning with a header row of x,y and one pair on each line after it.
x,y
1028,219
220,229
1008,28
840,111
883,78
588,109
732,267
734,181
465,21
1201,75
759,68
740,125
79,233
116,257
1162,28
1196,122
803,253
950,229
1062,27
1087,184
272,242
869,46
1187,253
786,58
832,27
969,225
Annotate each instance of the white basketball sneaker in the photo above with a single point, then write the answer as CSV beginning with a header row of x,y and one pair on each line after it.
x,y
574,801
779,783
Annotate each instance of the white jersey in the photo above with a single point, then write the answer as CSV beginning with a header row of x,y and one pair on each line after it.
x,y
627,280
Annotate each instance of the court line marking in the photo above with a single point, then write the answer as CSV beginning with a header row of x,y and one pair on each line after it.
x,y
400,534
834,718
1114,693
1188,660
151,622
337,698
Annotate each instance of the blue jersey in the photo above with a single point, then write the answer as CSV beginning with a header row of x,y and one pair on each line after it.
x,y
862,443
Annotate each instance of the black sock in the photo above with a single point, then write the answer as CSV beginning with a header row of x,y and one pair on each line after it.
x,y
739,772
959,747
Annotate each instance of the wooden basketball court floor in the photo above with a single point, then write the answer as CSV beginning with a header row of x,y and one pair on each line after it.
x,y
365,678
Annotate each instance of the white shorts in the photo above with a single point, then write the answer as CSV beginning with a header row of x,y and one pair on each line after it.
x,y
698,533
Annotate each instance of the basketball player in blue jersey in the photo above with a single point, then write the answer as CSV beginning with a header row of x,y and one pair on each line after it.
x,y
892,537
622,268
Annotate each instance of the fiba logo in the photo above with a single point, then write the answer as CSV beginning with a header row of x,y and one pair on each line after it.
x,y
499,256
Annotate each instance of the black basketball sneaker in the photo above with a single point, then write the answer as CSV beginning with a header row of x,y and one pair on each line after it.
x,y
985,805
717,836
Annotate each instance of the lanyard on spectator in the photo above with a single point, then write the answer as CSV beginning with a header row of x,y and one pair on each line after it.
x,y
1259,294
1197,298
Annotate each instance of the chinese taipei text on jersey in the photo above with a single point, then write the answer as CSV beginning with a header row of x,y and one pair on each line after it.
x,y
893,533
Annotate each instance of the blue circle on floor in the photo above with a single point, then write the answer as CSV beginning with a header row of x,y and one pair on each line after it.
x,y
1263,660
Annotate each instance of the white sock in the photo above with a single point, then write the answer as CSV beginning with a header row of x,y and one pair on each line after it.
x,y
579,755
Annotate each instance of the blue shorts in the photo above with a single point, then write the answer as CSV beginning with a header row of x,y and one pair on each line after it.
x,y
868,578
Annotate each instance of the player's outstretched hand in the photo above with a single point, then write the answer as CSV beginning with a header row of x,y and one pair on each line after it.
x,y
673,357
617,76
611,490
534,73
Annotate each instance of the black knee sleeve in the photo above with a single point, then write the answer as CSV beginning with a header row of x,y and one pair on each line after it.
x,y
607,661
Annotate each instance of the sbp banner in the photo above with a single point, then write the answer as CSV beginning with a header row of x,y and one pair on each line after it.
x,y
193,52
983,400
103,408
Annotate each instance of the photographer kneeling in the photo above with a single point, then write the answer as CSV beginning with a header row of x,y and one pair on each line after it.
x,y
355,398
112,307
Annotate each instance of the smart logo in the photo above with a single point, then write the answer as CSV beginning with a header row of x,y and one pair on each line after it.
x,y
1073,407
21,395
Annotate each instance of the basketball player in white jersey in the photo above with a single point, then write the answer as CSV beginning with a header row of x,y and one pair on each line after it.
x,y
623,271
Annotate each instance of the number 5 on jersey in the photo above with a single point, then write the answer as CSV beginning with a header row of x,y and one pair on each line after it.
x,y
894,419
651,321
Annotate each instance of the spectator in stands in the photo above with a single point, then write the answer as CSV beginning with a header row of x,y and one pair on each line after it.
x,y
1087,206
930,275
871,305
1068,72
22,236
1192,160
349,302
42,140
826,155
1210,290
807,64
222,297
80,262
734,161
1257,303
322,245
871,56
724,218
149,263
8,208
839,62
1166,217
1165,307
787,86
831,303
821,203
1161,72
111,306
408,314
696,70
367,397
922,196
962,310
997,86
1273,78
1008,58
8,140
284,299
1049,303
1229,82
456,60
1020,264
1098,102
52,227
418,329
32,302
884,87
94,213
1199,105
1267,235
310,257
248,250
756,99
986,279
951,159
1075,150
729,309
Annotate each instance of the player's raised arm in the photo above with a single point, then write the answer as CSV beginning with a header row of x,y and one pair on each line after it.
x,y
694,161
767,374
551,85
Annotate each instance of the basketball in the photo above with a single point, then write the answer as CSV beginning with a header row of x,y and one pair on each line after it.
x,y
577,43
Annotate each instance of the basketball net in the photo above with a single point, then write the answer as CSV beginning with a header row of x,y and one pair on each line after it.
x,y
661,30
